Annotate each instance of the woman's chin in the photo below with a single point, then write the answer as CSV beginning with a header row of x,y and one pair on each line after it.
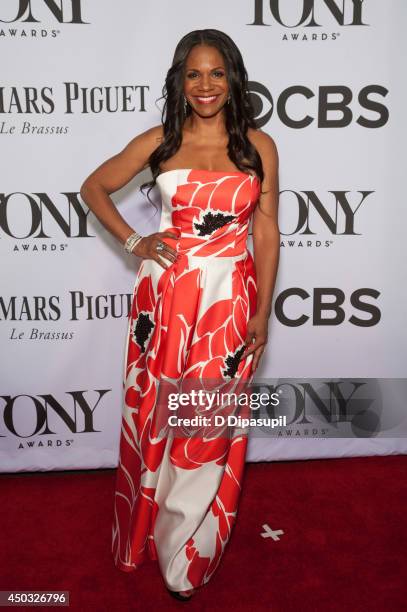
x,y
207,110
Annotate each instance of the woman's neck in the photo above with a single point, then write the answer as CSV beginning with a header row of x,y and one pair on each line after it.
x,y
206,128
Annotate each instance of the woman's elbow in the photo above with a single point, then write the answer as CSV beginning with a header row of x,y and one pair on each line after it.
x,y
268,235
88,185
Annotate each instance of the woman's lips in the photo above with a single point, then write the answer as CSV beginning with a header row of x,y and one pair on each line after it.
x,y
206,99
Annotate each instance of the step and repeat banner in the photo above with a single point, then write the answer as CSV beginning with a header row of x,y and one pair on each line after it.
x,y
79,80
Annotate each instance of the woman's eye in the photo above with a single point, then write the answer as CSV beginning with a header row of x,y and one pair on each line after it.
x,y
191,75
218,73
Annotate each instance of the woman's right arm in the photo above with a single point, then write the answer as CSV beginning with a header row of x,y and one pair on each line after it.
x,y
112,175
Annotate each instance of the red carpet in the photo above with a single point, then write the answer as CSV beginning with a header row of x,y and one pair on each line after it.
x,y
344,543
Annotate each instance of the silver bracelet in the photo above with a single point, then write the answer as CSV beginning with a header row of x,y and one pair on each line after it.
x,y
132,241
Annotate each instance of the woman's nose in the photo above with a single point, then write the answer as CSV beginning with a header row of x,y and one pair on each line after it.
x,y
206,82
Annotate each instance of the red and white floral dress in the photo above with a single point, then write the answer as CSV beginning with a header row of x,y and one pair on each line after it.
x,y
176,498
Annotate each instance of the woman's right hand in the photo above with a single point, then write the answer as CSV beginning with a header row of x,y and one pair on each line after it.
x,y
146,248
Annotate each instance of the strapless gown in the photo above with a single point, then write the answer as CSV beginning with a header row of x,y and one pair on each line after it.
x,y
176,498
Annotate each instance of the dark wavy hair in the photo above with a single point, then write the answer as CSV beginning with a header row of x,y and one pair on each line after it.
x,y
239,112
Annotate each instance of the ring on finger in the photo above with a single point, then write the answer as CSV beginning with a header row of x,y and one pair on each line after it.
x,y
160,246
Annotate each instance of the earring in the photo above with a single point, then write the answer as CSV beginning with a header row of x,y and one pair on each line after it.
x,y
185,105
228,100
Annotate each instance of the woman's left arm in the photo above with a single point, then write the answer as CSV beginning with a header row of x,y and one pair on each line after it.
x,y
266,247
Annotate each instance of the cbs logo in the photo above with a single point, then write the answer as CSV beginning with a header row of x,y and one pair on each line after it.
x,y
321,106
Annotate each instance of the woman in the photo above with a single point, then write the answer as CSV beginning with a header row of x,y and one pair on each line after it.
x,y
200,308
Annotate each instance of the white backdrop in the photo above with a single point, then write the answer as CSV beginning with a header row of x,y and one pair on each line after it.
x,y
80,79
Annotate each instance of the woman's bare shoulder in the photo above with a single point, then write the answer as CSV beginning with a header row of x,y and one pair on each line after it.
x,y
150,138
155,134
263,142
143,144
266,148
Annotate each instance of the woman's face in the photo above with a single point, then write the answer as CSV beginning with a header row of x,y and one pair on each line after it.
x,y
205,83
